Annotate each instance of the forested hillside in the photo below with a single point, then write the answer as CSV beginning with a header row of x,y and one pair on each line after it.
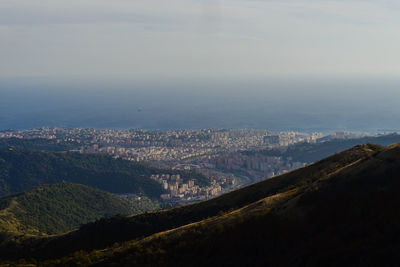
x,y
22,169
58,208
39,144
341,211
310,216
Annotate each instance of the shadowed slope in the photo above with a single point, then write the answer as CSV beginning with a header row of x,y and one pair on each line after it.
x,y
108,231
348,217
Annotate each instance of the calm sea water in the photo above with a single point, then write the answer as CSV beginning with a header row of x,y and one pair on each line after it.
x,y
366,105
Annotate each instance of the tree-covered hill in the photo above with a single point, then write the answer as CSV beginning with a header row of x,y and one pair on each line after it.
x,y
39,144
348,217
106,232
340,211
22,169
58,208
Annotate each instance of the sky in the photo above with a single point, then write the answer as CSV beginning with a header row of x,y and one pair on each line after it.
x,y
198,38
273,64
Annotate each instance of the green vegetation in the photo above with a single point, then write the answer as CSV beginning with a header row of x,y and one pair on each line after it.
x,y
39,144
59,208
344,217
22,169
145,204
106,232
339,211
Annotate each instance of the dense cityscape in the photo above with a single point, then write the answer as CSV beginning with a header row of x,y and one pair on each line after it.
x,y
145,145
217,154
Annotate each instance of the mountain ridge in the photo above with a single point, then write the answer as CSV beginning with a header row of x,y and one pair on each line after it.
x,y
338,211
118,230
331,191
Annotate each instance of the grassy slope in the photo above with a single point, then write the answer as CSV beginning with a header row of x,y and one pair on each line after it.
x,y
108,231
58,208
348,217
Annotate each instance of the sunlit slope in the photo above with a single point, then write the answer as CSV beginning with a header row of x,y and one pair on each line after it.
x,y
107,232
346,217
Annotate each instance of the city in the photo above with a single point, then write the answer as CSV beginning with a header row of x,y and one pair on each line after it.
x,y
219,155
146,145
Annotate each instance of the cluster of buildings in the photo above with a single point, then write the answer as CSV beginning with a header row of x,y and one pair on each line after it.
x,y
215,153
150,153
147,145
256,165
179,190
289,138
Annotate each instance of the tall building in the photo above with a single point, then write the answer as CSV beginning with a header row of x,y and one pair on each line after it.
x,y
271,140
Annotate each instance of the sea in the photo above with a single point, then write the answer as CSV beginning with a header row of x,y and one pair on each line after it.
x,y
305,104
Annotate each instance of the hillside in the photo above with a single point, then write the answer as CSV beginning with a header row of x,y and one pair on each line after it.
x,y
322,213
39,144
311,152
58,208
346,217
22,169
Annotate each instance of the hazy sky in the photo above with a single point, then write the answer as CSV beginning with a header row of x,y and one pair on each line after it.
x,y
197,38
